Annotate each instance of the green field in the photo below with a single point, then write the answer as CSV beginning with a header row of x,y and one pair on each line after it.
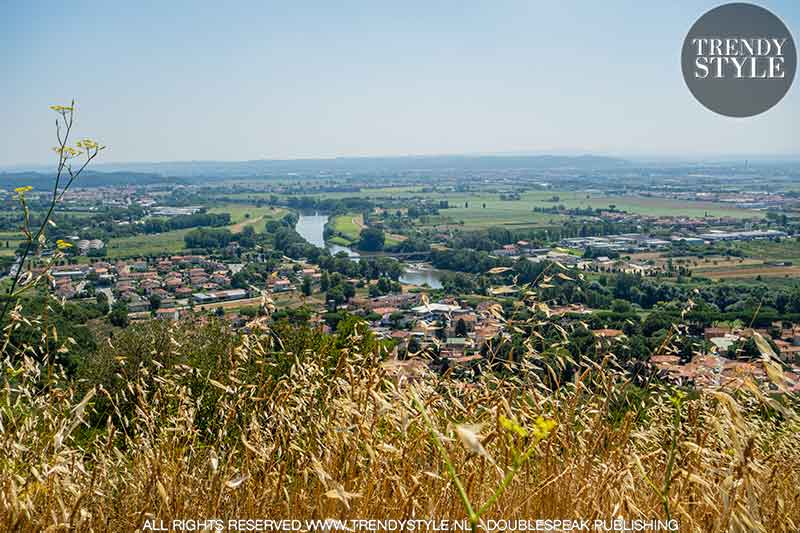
x,y
242,213
470,210
377,192
172,241
347,228
639,204
785,250
763,260
245,215
519,211
391,241
169,242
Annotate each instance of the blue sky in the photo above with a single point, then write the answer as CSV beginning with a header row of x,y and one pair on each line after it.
x,y
162,81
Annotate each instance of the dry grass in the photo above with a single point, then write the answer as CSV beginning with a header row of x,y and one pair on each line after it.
x,y
345,440
750,272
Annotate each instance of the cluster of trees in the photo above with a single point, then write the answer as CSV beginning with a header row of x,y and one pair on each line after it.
x,y
256,272
459,283
412,244
288,242
160,225
103,224
495,237
216,238
592,253
117,222
68,321
336,288
681,249
509,196
119,314
727,297
208,238
712,302
759,303
642,338
329,205
422,209
384,286
466,260
372,240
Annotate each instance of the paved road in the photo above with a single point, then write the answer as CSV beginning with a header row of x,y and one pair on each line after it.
x,y
109,294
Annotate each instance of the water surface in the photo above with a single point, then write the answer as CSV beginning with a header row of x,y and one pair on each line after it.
x,y
312,229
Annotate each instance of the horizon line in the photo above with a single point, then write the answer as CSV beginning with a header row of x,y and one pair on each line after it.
x,y
779,156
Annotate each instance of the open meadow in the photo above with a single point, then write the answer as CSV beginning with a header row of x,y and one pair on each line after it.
x,y
166,243
483,208
171,242
750,260
348,226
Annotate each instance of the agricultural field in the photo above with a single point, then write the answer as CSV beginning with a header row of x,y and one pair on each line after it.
x,y
248,213
377,192
348,229
694,262
636,204
785,250
169,242
477,211
349,225
520,212
762,259
467,208
172,241
750,272
580,199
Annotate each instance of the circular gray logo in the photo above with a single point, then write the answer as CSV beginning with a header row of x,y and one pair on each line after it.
x,y
739,60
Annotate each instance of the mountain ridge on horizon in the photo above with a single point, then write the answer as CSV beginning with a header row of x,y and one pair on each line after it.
x,y
254,167
114,173
356,164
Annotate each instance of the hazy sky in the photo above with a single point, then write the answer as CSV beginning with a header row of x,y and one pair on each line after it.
x,y
249,80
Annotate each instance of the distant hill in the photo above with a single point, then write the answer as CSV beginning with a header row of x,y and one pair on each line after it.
x,y
44,180
227,169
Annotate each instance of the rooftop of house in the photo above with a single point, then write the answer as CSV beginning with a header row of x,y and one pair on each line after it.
x,y
608,333
435,308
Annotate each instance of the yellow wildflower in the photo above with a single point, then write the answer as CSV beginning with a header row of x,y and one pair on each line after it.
x,y
543,427
67,151
511,425
88,144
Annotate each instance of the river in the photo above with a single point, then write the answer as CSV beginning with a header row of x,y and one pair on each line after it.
x,y
312,229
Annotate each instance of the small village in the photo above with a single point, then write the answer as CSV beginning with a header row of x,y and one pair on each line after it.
x,y
447,333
